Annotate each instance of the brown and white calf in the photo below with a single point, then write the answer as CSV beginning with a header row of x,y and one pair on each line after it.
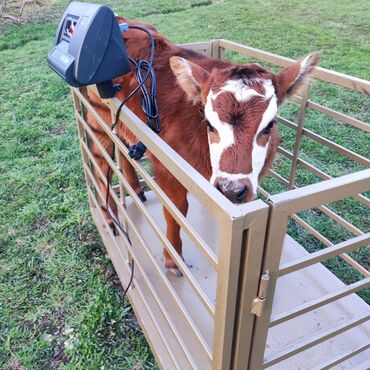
x,y
219,116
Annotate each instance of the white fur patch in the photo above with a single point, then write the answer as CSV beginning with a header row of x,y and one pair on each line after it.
x,y
225,131
241,91
258,160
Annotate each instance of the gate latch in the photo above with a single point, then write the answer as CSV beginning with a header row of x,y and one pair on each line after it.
x,y
258,303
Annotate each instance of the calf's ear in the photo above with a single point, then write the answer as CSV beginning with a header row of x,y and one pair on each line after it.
x,y
191,77
293,77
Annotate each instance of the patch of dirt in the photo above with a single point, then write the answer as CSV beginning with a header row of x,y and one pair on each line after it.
x,y
57,131
23,11
59,358
51,324
15,365
40,224
138,366
132,323
45,249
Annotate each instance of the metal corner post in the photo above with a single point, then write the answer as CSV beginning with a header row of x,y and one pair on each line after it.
x,y
298,139
277,228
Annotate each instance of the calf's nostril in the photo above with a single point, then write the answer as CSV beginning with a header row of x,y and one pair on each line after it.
x,y
242,192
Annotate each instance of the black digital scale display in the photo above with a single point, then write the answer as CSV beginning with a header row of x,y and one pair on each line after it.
x,y
89,48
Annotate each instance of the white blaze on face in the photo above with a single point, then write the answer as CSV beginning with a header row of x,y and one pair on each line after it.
x,y
242,93
225,132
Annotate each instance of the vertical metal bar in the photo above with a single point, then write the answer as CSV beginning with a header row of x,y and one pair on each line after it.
x,y
276,230
231,238
248,287
122,192
298,138
81,134
217,51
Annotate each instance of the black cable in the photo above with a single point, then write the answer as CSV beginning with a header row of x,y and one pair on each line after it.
x,y
148,100
149,69
150,108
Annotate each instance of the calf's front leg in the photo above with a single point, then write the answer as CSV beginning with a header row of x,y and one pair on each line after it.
x,y
177,193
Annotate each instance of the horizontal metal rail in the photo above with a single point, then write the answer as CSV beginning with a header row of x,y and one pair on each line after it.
x,y
343,357
336,147
282,179
297,200
339,116
328,243
326,142
187,175
149,254
165,242
193,235
324,254
178,216
319,302
154,294
333,113
323,335
361,198
324,74
318,235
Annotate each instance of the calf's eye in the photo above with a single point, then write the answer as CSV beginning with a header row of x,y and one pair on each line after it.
x,y
210,128
267,129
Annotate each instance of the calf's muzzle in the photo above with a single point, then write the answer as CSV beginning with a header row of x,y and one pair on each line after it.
x,y
235,191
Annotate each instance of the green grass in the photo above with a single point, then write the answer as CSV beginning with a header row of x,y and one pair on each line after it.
x,y
60,301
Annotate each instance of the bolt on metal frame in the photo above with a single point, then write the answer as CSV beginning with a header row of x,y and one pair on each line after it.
x,y
244,254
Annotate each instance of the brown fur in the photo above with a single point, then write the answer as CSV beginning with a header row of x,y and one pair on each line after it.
x,y
181,117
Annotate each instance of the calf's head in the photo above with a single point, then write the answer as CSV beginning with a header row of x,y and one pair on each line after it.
x,y
240,103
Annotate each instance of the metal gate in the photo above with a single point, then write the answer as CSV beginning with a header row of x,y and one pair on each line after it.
x,y
218,315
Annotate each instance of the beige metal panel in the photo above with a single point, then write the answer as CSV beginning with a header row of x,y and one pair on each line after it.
x,y
328,143
339,116
344,356
336,147
361,198
276,230
249,281
231,248
319,236
293,349
324,254
201,320
296,289
319,302
231,241
191,179
160,325
328,243
179,262
299,132
363,365
177,215
327,75
164,198
169,293
203,47
324,192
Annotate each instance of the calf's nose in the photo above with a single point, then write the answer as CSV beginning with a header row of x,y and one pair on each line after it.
x,y
235,191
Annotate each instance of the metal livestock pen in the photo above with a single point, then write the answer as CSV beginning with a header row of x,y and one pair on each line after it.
x,y
253,297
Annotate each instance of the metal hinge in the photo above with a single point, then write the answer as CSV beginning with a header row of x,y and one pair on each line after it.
x,y
258,303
